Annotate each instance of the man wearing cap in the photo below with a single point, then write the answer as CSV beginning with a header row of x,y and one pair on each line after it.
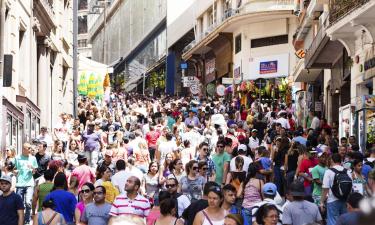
x,y
192,119
242,151
107,160
26,166
82,173
11,204
269,194
253,140
300,211
92,144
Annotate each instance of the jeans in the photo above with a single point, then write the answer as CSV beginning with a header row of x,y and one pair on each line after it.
x,y
278,179
152,153
247,213
289,178
334,210
92,157
26,194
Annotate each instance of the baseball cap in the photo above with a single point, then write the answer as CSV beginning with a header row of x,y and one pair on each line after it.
x,y
242,148
297,189
6,178
254,130
269,189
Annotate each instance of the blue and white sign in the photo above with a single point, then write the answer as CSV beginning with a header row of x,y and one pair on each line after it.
x,y
268,67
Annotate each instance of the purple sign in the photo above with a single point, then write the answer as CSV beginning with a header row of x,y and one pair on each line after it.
x,y
268,67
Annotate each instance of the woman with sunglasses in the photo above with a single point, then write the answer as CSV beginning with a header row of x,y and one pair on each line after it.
x,y
86,196
192,184
150,182
213,214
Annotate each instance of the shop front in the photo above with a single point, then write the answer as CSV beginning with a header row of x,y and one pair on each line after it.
x,y
365,121
13,127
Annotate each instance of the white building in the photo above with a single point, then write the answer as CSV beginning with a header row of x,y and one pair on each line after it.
x,y
234,37
38,35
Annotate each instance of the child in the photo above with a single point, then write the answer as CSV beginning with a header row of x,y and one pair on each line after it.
x,y
265,162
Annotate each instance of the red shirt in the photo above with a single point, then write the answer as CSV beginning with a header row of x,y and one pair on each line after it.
x,y
305,166
152,138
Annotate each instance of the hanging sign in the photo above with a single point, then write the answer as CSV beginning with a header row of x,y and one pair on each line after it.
x,y
194,89
189,81
220,90
300,53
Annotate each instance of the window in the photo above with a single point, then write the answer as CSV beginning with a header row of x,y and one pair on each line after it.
x,y
82,24
82,43
237,44
82,4
268,41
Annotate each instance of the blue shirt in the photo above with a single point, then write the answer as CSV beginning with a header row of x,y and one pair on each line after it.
x,y
365,170
65,203
234,210
266,163
301,140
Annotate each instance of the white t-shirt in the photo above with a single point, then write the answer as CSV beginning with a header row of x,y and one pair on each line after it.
x,y
119,180
284,122
328,178
165,148
253,143
246,160
315,123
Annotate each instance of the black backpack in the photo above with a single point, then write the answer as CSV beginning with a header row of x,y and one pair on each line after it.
x,y
371,164
342,184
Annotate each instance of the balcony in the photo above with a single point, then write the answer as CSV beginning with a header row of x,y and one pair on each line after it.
x,y
340,8
322,52
250,9
44,12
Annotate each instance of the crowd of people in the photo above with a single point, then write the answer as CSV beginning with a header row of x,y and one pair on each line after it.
x,y
164,161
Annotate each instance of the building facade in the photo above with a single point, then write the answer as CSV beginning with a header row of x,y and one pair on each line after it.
x,y
38,36
84,48
131,36
338,39
232,37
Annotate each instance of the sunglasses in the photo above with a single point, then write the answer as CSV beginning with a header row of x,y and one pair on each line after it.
x,y
98,192
170,185
204,168
85,191
195,168
205,149
220,146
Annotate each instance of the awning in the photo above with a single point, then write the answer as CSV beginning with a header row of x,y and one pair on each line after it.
x,y
305,75
132,83
88,65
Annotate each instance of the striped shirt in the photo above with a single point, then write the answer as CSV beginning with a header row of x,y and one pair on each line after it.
x,y
140,206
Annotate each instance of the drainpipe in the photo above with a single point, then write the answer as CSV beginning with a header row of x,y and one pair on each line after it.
x,y
75,56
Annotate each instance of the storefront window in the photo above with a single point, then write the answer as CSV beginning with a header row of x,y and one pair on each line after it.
x,y
33,127
82,24
27,125
14,133
9,131
20,131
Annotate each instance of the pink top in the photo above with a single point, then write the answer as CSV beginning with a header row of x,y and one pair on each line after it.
x,y
81,207
84,174
152,217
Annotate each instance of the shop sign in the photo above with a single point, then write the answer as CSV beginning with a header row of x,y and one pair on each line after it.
x,y
318,106
227,80
300,53
210,70
194,89
211,89
220,90
369,64
190,81
272,66
268,67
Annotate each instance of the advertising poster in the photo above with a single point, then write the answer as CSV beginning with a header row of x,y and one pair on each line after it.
x,y
268,67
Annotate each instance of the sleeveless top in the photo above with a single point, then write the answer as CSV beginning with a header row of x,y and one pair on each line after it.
x,y
40,218
44,190
208,221
251,196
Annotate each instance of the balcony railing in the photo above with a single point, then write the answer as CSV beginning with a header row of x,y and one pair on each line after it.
x,y
48,7
340,8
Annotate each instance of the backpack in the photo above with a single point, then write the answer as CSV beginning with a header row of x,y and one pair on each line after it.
x,y
342,184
